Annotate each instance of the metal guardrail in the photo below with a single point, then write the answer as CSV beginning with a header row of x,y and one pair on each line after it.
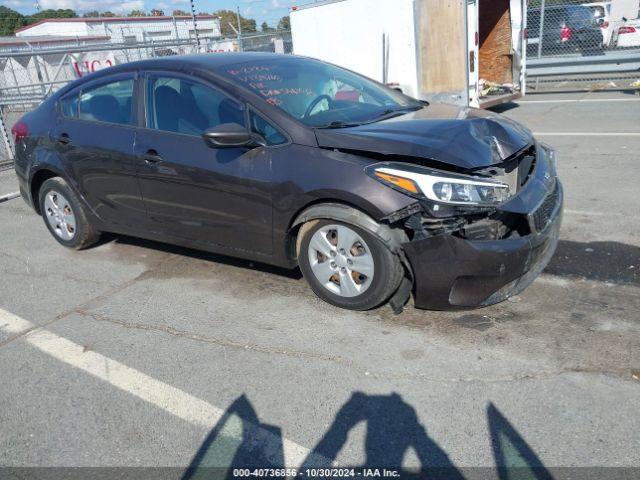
x,y
617,62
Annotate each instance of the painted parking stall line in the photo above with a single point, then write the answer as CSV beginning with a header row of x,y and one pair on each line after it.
x,y
9,196
588,134
170,399
584,100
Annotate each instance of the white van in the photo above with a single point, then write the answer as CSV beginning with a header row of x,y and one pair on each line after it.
x,y
468,52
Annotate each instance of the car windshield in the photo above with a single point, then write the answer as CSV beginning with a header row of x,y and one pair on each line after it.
x,y
318,94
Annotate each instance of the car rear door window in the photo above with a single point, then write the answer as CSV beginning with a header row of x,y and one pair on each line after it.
x,y
110,102
180,106
69,106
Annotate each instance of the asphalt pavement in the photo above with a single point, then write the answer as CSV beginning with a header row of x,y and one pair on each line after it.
x,y
135,353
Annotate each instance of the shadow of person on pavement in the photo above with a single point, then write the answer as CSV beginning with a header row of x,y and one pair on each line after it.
x,y
514,458
392,429
239,440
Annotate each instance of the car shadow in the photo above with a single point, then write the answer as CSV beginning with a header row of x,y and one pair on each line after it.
x,y
294,274
504,107
241,441
612,262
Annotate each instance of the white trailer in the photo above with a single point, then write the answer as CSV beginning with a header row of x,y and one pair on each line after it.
x,y
430,49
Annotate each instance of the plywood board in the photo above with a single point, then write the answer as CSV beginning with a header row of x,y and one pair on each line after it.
x,y
442,45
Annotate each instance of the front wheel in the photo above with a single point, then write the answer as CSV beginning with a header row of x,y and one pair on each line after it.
x,y
347,266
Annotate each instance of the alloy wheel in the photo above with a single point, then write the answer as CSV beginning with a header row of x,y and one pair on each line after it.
x,y
341,260
60,215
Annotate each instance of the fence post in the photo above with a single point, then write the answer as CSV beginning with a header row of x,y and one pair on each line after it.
x,y
175,27
195,24
240,46
542,2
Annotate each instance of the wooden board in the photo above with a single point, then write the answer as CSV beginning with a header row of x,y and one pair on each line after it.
x,y
442,45
494,56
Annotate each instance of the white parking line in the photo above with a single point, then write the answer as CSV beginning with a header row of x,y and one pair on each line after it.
x,y
168,398
585,100
588,213
589,134
9,196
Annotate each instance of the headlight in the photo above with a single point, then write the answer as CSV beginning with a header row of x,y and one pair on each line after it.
x,y
441,187
552,157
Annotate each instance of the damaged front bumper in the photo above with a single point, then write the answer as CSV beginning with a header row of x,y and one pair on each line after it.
x,y
451,272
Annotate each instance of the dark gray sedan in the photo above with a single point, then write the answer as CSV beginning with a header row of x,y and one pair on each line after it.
x,y
294,162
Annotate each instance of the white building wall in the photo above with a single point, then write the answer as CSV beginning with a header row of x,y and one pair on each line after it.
x,y
127,30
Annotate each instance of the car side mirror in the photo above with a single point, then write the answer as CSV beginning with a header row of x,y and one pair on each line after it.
x,y
229,135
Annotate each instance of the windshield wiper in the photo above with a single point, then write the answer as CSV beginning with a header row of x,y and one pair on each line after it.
x,y
340,124
399,111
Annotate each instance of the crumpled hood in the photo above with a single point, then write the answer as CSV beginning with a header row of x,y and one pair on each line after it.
x,y
463,137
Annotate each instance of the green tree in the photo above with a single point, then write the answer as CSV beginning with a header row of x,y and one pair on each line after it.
x,y
180,13
266,28
229,17
137,13
155,12
10,20
50,13
95,13
284,23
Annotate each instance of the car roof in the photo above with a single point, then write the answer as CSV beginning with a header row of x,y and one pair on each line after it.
x,y
205,60
202,61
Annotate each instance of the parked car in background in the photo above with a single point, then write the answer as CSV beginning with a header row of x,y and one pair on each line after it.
x,y
295,162
628,34
602,14
565,29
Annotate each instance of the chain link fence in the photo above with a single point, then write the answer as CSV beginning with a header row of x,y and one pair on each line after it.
x,y
573,45
33,67
567,28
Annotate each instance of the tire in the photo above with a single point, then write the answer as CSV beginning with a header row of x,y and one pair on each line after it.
x,y
64,215
338,289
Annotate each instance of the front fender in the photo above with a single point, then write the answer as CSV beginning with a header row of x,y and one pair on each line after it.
x,y
391,237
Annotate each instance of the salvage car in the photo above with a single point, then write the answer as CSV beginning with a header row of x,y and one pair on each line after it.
x,y
295,162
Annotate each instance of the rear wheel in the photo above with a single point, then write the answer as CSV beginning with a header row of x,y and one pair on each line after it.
x,y
347,266
64,216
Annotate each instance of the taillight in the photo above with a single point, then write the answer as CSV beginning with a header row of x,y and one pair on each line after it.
x,y
604,24
20,131
622,30
565,33
525,33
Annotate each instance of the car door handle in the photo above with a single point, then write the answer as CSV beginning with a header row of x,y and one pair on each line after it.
x,y
151,157
64,139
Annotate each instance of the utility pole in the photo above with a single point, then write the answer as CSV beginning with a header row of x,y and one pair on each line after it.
x,y
195,24
239,29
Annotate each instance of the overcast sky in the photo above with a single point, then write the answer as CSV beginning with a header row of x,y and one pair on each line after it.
x,y
262,10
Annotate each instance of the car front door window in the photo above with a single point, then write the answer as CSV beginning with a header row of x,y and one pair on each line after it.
x,y
181,106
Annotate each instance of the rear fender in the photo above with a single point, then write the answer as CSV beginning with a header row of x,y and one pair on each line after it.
x,y
46,159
